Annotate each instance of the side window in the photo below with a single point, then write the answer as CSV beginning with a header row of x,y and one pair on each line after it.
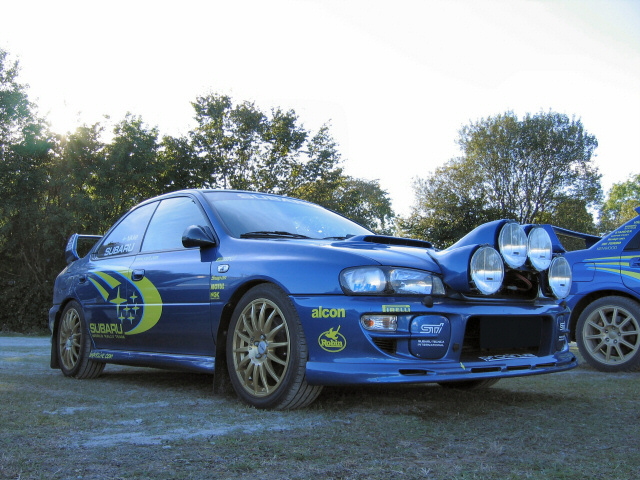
x,y
171,219
127,235
634,244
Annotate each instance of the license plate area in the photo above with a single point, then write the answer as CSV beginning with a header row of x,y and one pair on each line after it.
x,y
503,335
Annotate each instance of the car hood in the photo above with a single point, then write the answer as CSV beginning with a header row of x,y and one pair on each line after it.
x,y
392,251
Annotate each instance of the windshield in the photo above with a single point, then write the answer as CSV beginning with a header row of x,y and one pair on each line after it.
x,y
255,215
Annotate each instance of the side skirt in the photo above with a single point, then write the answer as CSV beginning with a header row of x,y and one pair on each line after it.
x,y
192,363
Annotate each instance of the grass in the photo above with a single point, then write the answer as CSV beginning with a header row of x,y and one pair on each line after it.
x,y
143,423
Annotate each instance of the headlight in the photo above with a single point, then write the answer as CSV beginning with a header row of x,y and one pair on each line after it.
x,y
389,281
487,270
370,280
560,277
539,248
513,244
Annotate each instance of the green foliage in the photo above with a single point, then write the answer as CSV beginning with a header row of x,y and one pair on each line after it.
x,y
529,170
623,199
52,186
129,171
360,200
449,204
15,108
25,235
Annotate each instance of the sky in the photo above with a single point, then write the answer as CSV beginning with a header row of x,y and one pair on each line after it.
x,y
395,80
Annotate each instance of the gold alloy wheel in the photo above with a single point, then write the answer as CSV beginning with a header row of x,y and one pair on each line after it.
x,y
261,347
611,335
69,339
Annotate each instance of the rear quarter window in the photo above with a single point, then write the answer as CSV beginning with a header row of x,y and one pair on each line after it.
x,y
127,235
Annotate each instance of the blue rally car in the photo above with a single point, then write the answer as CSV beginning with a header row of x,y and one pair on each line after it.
x,y
605,297
278,297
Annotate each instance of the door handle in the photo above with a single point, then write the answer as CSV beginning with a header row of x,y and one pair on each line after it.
x,y
137,275
634,262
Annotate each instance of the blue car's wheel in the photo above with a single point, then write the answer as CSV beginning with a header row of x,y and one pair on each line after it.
x,y
74,345
608,334
267,351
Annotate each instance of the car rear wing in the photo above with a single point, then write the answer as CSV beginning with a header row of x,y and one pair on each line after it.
x,y
71,251
588,239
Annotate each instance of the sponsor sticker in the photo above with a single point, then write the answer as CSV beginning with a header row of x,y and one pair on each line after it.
x,y
321,312
332,340
396,308
101,356
431,329
136,313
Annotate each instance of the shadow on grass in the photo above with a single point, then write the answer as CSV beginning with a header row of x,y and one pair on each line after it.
x,y
392,398
158,379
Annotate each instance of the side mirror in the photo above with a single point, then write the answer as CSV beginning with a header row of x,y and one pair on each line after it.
x,y
198,236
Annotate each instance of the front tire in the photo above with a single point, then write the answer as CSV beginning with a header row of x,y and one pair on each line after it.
x,y
608,334
74,345
267,351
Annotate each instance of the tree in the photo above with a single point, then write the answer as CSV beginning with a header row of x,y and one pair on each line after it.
x,y
25,164
449,204
130,170
622,200
16,111
364,202
225,141
511,168
241,147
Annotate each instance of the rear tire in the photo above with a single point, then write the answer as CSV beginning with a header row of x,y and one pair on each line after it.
x,y
267,351
74,345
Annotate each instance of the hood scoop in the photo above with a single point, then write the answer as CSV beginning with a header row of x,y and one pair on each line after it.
x,y
403,242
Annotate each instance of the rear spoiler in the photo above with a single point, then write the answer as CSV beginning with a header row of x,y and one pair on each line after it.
x,y
589,239
71,251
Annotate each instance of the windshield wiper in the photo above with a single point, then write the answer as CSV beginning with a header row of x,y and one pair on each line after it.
x,y
272,234
346,237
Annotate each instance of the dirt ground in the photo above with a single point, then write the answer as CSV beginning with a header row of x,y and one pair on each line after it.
x,y
144,423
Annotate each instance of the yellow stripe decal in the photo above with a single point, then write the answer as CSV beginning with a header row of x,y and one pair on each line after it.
x,y
102,291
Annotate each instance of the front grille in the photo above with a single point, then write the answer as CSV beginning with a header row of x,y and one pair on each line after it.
x,y
495,335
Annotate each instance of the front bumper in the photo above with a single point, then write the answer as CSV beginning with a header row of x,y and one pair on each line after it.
x,y
328,373
451,340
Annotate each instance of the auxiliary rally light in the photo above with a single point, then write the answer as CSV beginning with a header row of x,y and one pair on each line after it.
x,y
380,323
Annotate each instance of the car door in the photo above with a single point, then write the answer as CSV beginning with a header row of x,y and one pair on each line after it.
x,y
105,287
171,299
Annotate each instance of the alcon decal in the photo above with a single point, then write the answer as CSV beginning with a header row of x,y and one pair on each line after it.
x,y
332,340
328,313
137,305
